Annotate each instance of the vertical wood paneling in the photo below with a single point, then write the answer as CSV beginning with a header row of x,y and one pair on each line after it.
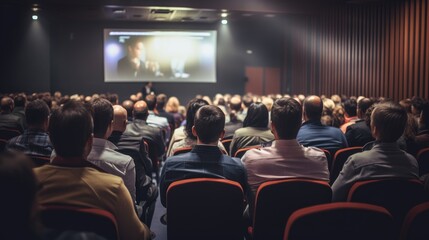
x,y
379,49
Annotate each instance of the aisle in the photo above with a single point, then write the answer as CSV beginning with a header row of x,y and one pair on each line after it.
x,y
157,227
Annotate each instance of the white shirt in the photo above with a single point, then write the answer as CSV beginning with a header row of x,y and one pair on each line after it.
x,y
104,156
284,159
159,122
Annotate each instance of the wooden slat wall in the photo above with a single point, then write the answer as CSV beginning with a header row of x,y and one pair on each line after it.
x,y
370,50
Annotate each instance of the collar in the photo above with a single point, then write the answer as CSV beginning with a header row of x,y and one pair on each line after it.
x,y
312,122
35,130
77,162
385,145
139,121
285,143
206,149
103,143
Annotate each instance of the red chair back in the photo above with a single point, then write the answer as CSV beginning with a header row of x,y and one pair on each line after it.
x,y
340,158
240,152
181,150
335,221
415,225
277,200
398,196
227,143
64,218
205,208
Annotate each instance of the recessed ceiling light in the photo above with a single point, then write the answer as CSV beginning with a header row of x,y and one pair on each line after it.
x,y
224,21
35,17
269,15
224,15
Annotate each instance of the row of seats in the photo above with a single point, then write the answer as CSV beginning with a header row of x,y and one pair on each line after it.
x,y
212,209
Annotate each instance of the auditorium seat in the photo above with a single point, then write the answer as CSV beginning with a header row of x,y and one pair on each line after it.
x,y
415,225
62,218
8,133
340,158
227,143
39,160
240,152
398,196
328,157
276,200
182,150
423,160
338,221
205,208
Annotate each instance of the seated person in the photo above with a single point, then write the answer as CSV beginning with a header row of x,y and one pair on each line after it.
x,y
35,139
359,134
313,133
104,154
71,180
385,159
157,121
7,118
286,158
187,139
255,129
422,137
205,159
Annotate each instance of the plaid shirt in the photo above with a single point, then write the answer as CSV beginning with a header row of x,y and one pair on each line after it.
x,y
32,141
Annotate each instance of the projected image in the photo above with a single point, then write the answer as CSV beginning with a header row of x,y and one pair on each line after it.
x,y
164,56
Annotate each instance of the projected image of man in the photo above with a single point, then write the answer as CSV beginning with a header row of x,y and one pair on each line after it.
x,y
131,66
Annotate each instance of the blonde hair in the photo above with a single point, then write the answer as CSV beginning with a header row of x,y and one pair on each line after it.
x,y
172,105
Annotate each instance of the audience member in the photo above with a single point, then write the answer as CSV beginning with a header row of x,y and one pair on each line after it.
x,y
350,107
205,159
161,101
313,133
359,134
246,102
385,159
35,139
255,129
234,123
286,158
422,137
104,154
128,105
183,136
7,119
71,180
156,121
173,107
20,102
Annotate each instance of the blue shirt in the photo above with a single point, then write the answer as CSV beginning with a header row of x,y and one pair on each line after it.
x,y
314,134
32,141
203,161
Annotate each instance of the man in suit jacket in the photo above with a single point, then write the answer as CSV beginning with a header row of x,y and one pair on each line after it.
x,y
205,159
7,118
359,134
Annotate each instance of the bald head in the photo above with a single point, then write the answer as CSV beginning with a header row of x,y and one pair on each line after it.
x,y
6,105
313,107
140,110
119,118
235,103
128,105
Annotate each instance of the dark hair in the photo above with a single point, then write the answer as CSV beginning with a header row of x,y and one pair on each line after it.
x,y
128,105
406,103
350,106
390,120
235,106
36,112
364,104
131,42
20,100
257,116
286,115
192,108
102,115
313,109
417,103
70,127
18,181
425,115
247,101
161,100
209,123
113,98
150,101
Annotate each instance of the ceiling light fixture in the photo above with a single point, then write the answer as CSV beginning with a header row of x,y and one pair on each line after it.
x,y
224,15
224,21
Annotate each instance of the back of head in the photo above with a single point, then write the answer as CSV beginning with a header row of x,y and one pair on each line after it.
x,y
424,116
20,100
286,117
406,103
161,100
150,101
102,116
192,108
313,108
36,113
119,118
70,127
336,98
247,101
390,120
113,98
6,105
363,105
257,116
235,104
19,184
417,104
350,106
140,110
209,123
128,105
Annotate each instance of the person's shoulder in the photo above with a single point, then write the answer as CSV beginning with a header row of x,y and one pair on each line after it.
x,y
314,151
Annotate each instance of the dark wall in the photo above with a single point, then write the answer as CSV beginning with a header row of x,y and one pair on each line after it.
x,y
63,54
